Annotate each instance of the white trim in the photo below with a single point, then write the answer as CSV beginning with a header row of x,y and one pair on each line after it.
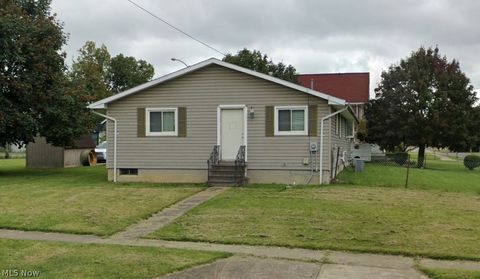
x,y
115,136
320,169
290,133
245,127
162,134
101,104
337,125
342,129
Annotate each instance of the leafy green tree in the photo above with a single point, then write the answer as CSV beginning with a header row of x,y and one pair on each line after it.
x,y
126,72
89,72
259,62
97,75
472,142
32,74
425,100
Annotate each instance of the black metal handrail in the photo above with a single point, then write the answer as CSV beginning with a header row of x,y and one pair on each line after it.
x,y
240,159
214,159
240,165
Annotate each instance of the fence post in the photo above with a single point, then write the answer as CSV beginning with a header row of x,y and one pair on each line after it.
x,y
408,171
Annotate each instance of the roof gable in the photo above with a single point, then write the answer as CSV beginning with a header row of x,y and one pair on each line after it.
x,y
213,61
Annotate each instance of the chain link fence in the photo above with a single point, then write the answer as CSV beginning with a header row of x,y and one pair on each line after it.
x,y
396,160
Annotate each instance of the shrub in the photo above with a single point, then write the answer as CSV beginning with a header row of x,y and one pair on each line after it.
x,y
471,161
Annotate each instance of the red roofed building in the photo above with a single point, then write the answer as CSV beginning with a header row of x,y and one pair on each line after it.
x,y
352,87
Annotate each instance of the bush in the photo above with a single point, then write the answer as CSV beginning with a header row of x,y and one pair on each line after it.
x,y
471,161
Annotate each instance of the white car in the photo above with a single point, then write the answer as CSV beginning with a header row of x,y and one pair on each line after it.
x,y
101,152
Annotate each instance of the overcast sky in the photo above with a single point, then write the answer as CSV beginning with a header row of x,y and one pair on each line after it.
x,y
314,36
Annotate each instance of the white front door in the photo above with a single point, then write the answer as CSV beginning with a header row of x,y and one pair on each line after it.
x,y
231,132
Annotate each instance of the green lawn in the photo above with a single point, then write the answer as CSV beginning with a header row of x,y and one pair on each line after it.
x,y
13,155
367,219
450,176
451,273
77,200
64,260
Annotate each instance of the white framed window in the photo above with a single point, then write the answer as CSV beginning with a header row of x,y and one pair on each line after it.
x,y
349,128
161,122
291,120
337,124
342,127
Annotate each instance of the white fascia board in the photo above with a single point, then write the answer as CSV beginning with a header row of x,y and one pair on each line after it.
x,y
348,114
96,106
280,81
101,104
150,84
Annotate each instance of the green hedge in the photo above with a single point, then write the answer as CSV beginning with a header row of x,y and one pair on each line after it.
x,y
471,161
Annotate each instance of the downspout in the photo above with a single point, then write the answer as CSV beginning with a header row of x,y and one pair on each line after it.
x,y
114,143
321,141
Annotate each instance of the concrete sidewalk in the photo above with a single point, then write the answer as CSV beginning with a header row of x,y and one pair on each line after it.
x,y
247,259
253,268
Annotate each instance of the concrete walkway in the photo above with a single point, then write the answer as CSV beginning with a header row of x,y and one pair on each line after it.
x,y
168,214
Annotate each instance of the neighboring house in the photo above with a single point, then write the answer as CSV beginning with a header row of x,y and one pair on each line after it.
x,y
246,124
41,154
352,87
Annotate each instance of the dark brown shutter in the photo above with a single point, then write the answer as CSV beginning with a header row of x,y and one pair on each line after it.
x,y
141,122
312,120
269,121
182,121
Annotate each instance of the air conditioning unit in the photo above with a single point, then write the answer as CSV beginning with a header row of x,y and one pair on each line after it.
x,y
313,147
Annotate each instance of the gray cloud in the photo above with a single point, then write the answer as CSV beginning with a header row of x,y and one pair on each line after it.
x,y
314,36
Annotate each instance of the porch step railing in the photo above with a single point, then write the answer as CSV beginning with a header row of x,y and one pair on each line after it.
x,y
227,173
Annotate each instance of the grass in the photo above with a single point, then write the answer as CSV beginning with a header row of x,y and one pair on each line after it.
x,y
450,273
364,219
77,200
13,155
450,176
63,260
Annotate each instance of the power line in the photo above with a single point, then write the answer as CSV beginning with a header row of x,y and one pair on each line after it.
x,y
176,28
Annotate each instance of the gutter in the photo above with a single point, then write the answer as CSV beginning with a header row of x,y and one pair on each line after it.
x,y
321,140
114,142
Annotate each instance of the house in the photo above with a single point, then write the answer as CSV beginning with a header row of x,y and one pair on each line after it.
x,y
352,87
226,124
41,154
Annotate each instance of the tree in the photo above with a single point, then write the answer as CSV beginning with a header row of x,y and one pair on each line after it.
x,y
126,72
423,101
95,75
32,74
473,139
98,76
89,72
259,62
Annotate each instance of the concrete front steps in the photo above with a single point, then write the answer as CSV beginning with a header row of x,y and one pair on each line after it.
x,y
227,174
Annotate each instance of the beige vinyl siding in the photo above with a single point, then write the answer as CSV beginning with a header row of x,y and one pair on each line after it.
x,y
201,92
338,141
